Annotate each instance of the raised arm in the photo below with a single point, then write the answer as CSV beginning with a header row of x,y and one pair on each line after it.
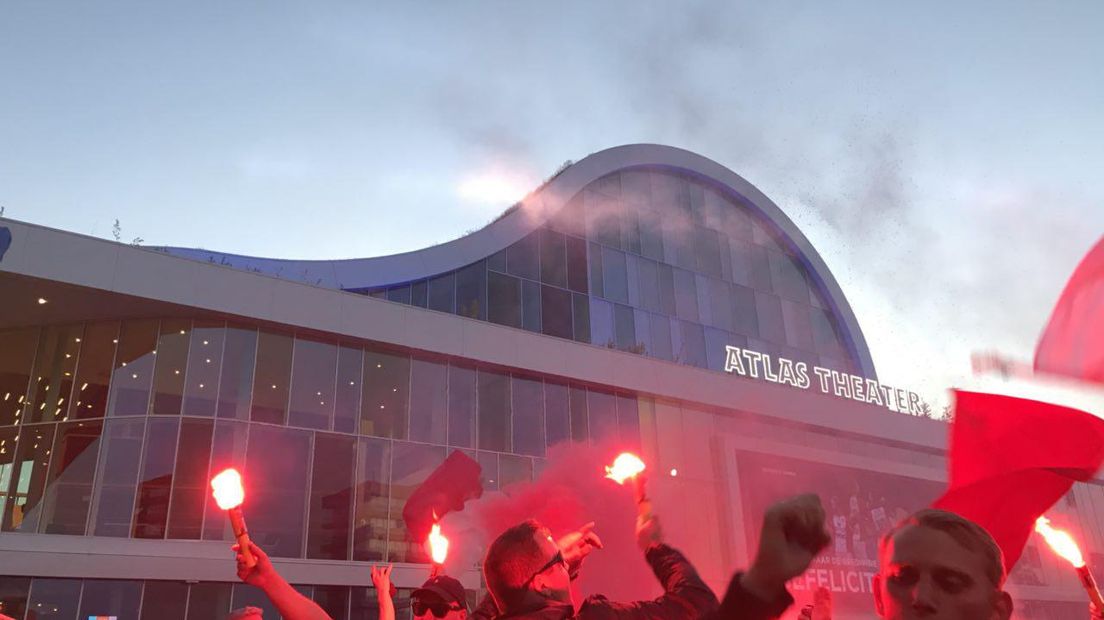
x,y
381,579
290,603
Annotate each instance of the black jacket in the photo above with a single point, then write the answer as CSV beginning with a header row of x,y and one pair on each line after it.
x,y
739,604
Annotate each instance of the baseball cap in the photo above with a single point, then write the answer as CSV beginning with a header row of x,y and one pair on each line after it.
x,y
443,587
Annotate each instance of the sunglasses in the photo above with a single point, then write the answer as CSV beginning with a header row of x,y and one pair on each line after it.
x,y
438,609
556,559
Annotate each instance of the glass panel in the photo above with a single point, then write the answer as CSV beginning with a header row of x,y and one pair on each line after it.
x,y
151,515
660,328
522,257
691,349
419,294
14,592
69,485
553,258
471,291
461,406
428,401
667,304
54,599
208,600
236,382
313,375
497,261
643,333
28,477
111,599
603,218
271,383
503,299
720,303
133,374
528,422
768,309
651,235
442,293
118,477
277,487
628,422
624,328
52,379
334,600
556,312
488,463
494,411
601,322
329,528
648,283
581,307
94,371
411,465
799,326
750,265
530,306
189,490
245,595
745,317
164,600
630,231
170,364
386,390
400,294
557,416
615,283
602,409
576,264
686,295
570,218
350,364
17,351
8,445
227,450
373,489
202,376
595,262
580,425
708,251
514,470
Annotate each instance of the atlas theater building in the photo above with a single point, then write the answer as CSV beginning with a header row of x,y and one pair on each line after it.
x,y
645,295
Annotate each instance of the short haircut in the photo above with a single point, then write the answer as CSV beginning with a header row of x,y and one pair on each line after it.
x,y
511,560
245,612
966,533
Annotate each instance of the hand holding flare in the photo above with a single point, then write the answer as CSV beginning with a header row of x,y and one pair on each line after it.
x,y
229,494
629,466
1062,544
438,548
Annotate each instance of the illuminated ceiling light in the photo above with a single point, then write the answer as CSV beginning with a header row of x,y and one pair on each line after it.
x,y
7,396
83,387
67,356
201,386
115,340
274,386
134,375
204,343
352,383
379,365
41,300
674,472
77,339
124,364
176,372
68,374
182,331
208,360
381,406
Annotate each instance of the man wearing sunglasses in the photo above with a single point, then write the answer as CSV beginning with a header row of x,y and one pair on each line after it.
x,y
440,597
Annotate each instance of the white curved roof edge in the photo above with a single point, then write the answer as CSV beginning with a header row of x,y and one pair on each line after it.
x,y
532,213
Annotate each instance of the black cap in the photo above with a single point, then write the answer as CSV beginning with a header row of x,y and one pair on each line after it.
x,y
445,588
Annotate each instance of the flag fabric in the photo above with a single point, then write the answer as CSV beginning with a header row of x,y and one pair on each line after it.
x,y
454,482
1011,459
1073,342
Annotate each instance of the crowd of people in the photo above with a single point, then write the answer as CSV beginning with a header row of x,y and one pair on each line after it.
x,y
932,565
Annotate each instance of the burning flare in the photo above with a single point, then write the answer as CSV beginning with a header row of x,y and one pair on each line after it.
x,y
228,489
438,544
1060,541
627,465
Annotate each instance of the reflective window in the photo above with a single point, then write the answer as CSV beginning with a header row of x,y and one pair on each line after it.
x,y
719,294
497,261
628,421
164,600
576,250
667,303
133,374
630,231
442,293
313,375
798,323
659,328
373,489
528,420
768,309
745,318
708,251
514,470
750,266
93,371
686,295
602,414
276,484
603,218
690,349
334,600
272,379
350,371
400,294
581,319
69,484
245,595
419,294
118,475
190,482
54,599
471,291
494,411
386,388
488,463
111,599
170,365
461,406
615,283
503,299
647,274
553,258
595,264
28,477
236,382
788,277
570,219
201,379
522,257
13,596
151,515
428,401
52,379
601,322
530,306
17,350
411,465
828,341
8,468
227,450
329,528
651,235
624,328
557,415
208,600
556,312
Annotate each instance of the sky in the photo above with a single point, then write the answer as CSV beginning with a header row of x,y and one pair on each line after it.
x,y
943,157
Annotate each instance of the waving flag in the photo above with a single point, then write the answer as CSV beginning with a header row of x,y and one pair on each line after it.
x,y
1073,342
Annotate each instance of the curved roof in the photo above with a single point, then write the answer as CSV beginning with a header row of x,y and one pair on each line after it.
x,y
532,212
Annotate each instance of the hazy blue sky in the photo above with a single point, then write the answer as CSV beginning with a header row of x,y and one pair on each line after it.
x,y
944,157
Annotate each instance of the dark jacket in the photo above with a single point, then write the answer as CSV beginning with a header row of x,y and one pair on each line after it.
x,y
739,604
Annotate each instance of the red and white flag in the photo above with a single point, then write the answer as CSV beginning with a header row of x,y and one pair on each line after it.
x,y
1073,342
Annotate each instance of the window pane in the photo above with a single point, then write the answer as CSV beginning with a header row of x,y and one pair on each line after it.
x,y
471,291
686,295
170,364
411,465
528,422
208,600
530,306
118,477
556,312
201,380
745,317
628,422
576,264
580,425
691,348
461,406
514,470
8,468
350,364
615,283
189,490
69,486
521,257
442,293
497,261
386,389
270,385
557,416
488,463
601,322
110,598
708,251
312,387
245,595
651,235
720,301
236,382
494,411
400,294
419,294
667,304
164,600
643,333
373,488
227,450
93,371
581,311
52,379
648,283
28,477
277,488
13,595
553,258
17,350
603,416
624,327
329,529
60,596
428,401
133,374
603,218
594,256
503,299
630,230
151,515
660,327
334,600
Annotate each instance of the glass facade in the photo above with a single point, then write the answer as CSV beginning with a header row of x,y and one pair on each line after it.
x,y
651,262
336,435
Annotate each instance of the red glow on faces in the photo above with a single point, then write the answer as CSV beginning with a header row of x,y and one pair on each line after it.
x,y
227,487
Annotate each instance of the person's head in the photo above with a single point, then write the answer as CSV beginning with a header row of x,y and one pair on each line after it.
x,y
936,565
440,596
246,613
523,563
